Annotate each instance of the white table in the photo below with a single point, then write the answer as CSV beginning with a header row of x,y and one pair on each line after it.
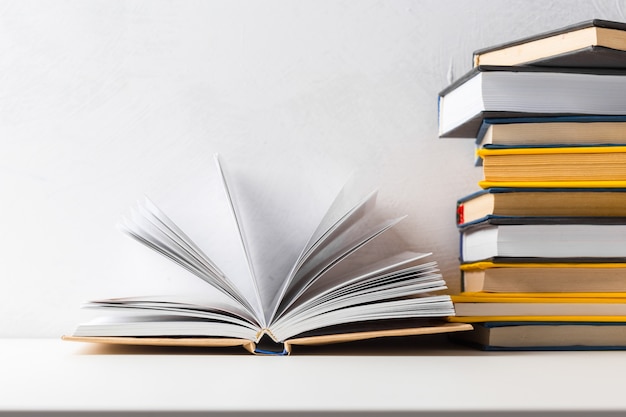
x,y
417,375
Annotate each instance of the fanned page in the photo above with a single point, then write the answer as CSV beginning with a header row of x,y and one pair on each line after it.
x,y
171,316
334,237
352,203
154,229
277,213
346,240
234,207
198,206
349,272
396,287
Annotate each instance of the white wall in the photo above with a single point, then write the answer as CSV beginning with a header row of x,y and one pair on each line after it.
x,y
103,101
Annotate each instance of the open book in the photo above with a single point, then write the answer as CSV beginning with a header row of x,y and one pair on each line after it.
x,y
326,294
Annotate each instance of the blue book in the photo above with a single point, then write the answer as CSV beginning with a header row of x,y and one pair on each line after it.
x,y
553,130
557,131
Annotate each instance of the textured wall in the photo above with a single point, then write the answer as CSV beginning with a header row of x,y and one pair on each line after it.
x,y
102,101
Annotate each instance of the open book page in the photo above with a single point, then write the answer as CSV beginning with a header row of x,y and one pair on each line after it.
x,y
348,235
162,325
221,308
349,205
408,282
236,213
150,226
359,268
399,308
198,211
338,249
395,278
277,213
177,315
341,216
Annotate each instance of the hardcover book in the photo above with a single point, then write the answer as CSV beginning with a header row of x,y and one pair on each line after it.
x,y
593,43
587,166
508,91
552,131
543,275
597,307
545,336
329,292
520,203
544,238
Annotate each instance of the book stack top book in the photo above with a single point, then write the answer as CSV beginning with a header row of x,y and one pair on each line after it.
x,y
590,44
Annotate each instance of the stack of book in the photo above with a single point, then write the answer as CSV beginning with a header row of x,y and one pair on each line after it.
x,y
543,244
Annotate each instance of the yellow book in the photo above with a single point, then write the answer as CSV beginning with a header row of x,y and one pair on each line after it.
x,y
536,278
584,165
579,298
484,152
554,184
472,307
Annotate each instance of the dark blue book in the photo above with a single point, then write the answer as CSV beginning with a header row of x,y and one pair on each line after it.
x,y
581,130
